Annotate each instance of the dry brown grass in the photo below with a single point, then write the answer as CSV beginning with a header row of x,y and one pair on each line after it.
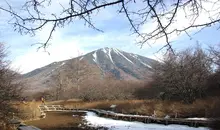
x,y
200,108
28,110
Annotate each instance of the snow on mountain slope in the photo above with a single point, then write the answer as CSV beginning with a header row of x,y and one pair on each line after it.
x,y
121,64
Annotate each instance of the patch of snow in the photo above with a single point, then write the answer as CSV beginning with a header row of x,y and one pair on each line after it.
x,y
113,106
129,115
117,51
104,50
145,64
196,118
136,57
95,56
149,66
120,114
81,58
142,62
63,64
167,117
110,57
49,73
93,120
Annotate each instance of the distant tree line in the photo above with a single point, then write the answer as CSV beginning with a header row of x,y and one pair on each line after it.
x,y
93,90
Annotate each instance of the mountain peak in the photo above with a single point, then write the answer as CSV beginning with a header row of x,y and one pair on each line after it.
x,y
120,63
108,50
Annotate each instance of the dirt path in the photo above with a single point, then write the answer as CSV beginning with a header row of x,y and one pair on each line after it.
x,y
61,121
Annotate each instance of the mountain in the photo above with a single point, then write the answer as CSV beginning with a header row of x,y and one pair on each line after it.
x,y
121,64
99,64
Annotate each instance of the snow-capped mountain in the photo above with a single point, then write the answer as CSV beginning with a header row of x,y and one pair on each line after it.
x,y
102,63
121,64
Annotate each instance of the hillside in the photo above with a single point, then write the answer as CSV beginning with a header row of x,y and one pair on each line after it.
x,y
99,64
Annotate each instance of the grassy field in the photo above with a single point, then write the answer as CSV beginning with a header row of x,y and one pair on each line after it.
x,y
28,110
200,108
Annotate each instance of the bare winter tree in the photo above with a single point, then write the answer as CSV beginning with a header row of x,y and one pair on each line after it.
x,y
59,85
9,89
108,89
184,76
213,80
215,55
67,82
78,71
163,14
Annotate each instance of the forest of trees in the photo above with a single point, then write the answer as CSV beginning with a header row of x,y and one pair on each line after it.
x,y
185,76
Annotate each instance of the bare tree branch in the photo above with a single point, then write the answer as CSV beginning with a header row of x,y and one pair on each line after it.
x,y
161,13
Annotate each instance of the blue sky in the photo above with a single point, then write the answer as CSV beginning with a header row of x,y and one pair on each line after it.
x,y
76,37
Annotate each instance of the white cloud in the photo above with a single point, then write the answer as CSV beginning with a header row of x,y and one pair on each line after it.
x,y
60,49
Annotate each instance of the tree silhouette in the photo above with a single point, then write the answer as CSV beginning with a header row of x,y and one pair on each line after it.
x,y
10,90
